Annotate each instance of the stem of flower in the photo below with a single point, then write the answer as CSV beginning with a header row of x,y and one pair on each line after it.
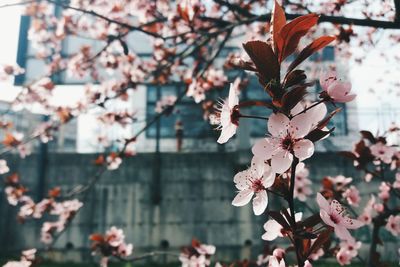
x,y
308,108
253,117
297,241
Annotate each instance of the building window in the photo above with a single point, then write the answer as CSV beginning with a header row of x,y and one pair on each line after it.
x,y
187,112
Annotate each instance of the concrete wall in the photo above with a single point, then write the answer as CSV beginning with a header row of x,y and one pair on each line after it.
x,y
187,195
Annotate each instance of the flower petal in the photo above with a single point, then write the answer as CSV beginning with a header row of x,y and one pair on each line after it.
x,y
260,202
278,123
243,197
272,230
326,218
342,232
352,223
226,133
241,178
303,149
323,203
233,98
281,161
264,148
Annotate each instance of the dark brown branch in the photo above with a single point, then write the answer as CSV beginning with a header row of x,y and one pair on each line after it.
x,y
397,10
323,18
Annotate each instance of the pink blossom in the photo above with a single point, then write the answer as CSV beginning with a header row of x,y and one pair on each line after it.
x,y
115,237
113,161
262,259
279,253
287,138
29,255
307,263
3,166
125,250
352,196
228,114
254,180
340,181
333,214
193,261
396,183
302,186
337,90
393,225
384,191
165,102
273,229
366,216
383,152
274,262
17,264
317,254
204,249
343,257
351,246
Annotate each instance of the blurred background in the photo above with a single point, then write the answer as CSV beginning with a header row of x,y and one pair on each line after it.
x,y
179,185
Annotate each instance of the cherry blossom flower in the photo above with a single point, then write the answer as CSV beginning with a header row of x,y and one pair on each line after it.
x,y
273,229
125,250
3,166
27,258
352,196
393,225
287,138
113,161
366,216
196,255
396,183
384,191
302,186
274,262
383,152
337,90
115,237
254,181
343,257
17,264
262,259
340,181
351,246
165,102
228,114
333,214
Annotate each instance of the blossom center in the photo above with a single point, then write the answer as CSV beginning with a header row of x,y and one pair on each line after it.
x,y
334,218
287,143
257,185
235,115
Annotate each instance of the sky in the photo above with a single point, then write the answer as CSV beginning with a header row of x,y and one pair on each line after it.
x,y
375,110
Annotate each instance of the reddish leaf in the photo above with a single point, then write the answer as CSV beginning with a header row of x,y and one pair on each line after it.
x,y
294,96
318,134
310,221
278,20
369,136
55,192
277,216
96,237
294,78
292,32
348,155
264,58
322,238
322,124
310,49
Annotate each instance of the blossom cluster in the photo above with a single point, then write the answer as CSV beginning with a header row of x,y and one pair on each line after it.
x,y
112,243
196,255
